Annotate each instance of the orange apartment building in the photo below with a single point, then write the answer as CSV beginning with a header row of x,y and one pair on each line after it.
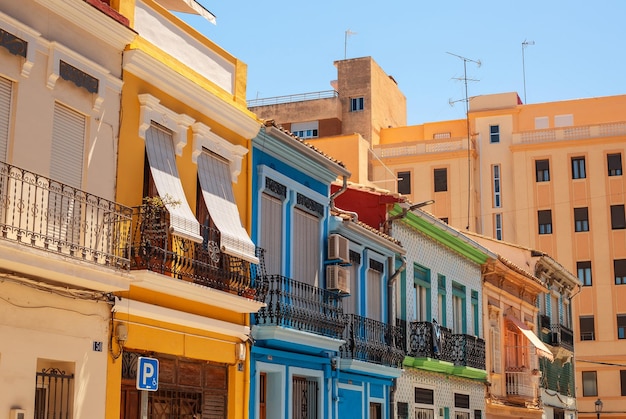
x,y
547,176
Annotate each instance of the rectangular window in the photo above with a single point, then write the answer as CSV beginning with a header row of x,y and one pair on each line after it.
x,y
306,256
68,140
475,313
356,104
272,233
305,129
53,393
494,134
424,396
404,183
442,302
544,218
374,302
498,226
590,383
581,219
614,162
621,326
619,269
578,168
622,379
497,203
618,220
587,328
403,410
584,273
441,180
421,413
421,281
542,169
459,318
6,88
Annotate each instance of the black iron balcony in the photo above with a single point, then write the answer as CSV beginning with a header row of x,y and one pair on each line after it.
x,y
372,341
41,213
428,340
562,336
155,248
297,305
468,350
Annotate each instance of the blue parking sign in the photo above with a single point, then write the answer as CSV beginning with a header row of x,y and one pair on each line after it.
x,y
147,373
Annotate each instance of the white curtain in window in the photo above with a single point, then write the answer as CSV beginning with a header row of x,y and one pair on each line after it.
x,y
374,300
271,237
217,190
306,247
160,150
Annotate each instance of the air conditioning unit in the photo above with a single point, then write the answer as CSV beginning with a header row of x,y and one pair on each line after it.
x,y
338,278
338,248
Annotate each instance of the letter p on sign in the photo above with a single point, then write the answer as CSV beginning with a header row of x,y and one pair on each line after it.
x,y
147,373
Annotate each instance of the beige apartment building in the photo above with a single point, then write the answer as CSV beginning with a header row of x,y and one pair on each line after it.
x,y
546,176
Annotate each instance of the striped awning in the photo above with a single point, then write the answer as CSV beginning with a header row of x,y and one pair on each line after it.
x,y
542,349
160,150
217,190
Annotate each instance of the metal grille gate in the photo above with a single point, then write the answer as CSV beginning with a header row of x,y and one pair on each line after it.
x,y
304,398
53,394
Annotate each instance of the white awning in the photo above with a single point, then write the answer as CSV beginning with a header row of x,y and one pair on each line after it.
x,y
542,349
160,149
217,190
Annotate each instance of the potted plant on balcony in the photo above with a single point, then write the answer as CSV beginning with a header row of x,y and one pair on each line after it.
x,y
153,227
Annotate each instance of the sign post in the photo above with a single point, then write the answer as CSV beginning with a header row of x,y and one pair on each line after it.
x,y
147,380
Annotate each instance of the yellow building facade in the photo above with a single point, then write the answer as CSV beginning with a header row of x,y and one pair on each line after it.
x,y
183,167
548,176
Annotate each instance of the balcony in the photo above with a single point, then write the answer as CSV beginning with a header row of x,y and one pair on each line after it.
x,y
585,132
417,148
43,214
562,336
372,341
155,248
437,348
519,384
301,97
299,306
557,377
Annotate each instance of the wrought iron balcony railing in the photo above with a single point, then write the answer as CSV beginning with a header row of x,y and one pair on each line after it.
x,y
155,248
372,341
520,384
42,213
557,376
427,340
297,305
562,336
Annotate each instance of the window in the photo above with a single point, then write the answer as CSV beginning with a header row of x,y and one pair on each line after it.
x,y
581,219
584,273
542,168
498,226
621,326
6,87
309,133
578,168
475,313
374,280
272,232
618,220
351,301
544,218
421,281
306,255
424,396
403,410
356,104
444,220
421,413
590,383
305,129
619,269
404,183
68,140
494,134
53,393
441,299
614,162
496,186
622,379
441,180
305,397
459,324
587,328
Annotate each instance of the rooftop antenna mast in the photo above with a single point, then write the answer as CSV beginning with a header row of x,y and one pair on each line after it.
x,y
524,45
467,121
345,43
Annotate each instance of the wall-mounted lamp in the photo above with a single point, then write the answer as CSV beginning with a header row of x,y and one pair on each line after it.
x,y
598,406
240,351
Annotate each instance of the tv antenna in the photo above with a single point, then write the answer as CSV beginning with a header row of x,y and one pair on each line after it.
x,y
466,100
524,45
345,43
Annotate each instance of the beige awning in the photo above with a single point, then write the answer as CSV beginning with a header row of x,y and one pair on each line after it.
x,y
160,150
542,349
217,190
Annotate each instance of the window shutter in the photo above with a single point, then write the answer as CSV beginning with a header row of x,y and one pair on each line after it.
x,y
306,247
6,87
68,139
272,232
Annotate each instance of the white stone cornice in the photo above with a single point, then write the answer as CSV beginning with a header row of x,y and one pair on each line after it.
x,y
152,110
204,138
180,87
189,291
92,20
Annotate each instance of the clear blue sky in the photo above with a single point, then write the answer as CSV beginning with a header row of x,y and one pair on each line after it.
x,y
290,46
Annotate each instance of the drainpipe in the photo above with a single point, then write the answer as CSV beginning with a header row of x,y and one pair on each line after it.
x,y
391,319
344,186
